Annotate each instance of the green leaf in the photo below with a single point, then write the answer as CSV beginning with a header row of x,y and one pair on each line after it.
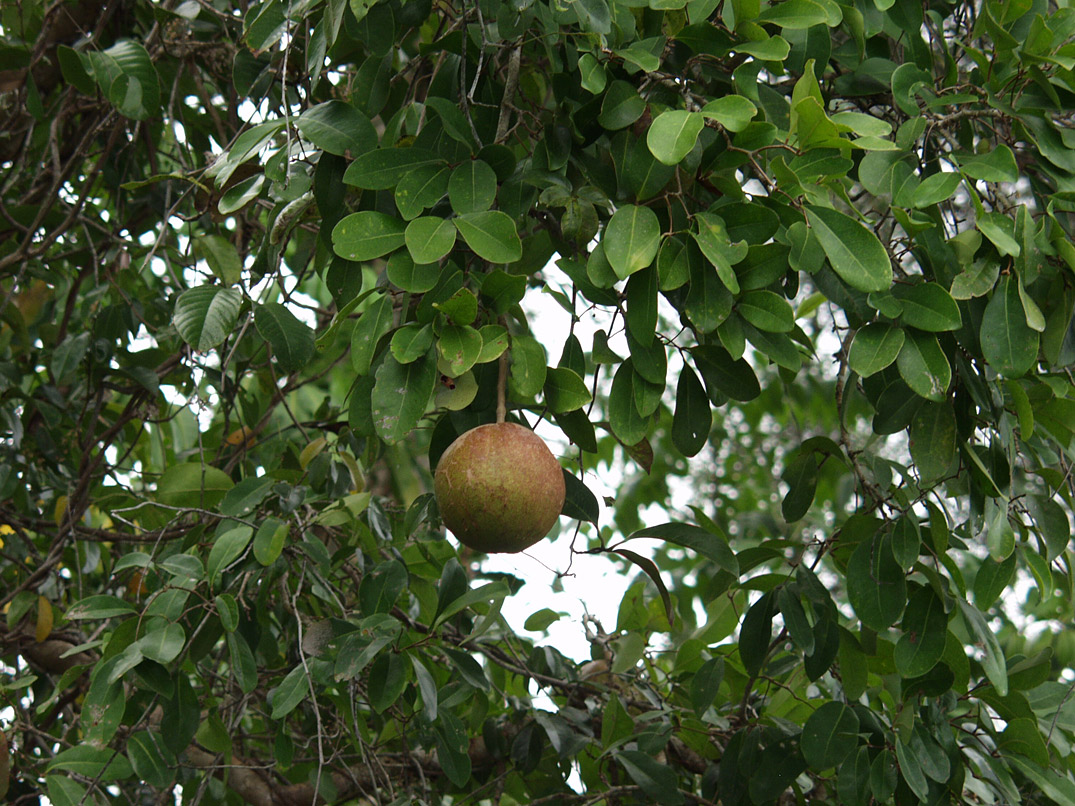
x,y
206,315
420,188
338,128
472,188
459,347
1009,344
854,252
756,633
193,484
733,112
621,106
626,423
724,375
244,497
705,684
461,307
795,14
977,280
429,238
991,580
801,478
539,620
708,302
292,341
455,122
381,587
152,761
565,390
923,366
427,687
876,587
492,236
911,771
933,439
927,306
126,75
673,134
383,168
631,239
367,235
269,540
226,549
1024,737
697,539
993,662
906,540
528,367
935,189
372,325
401,395
416,278
641,293
292,690
579,502
693,418
91,762
657,780
388,680
63,791
593,15
999,229
997,164
411,342
795,621
829,736
163,645
874,347
766,311
69,354
503,290
712,238
222,257
452,746
925,631
228,610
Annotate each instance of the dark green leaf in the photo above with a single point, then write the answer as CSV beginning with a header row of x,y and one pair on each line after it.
x,y
292,341
338,128
693,417
472,188
491,234
875,347
927,306
924,366
206,315
1008,342
631,239
875,584
657,780
400,396
853,251
699,540
925,631
829,736
367,234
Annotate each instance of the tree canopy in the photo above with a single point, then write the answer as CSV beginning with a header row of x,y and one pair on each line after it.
x,y
260,263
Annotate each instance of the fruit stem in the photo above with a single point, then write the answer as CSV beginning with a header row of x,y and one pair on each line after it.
x,y
501,389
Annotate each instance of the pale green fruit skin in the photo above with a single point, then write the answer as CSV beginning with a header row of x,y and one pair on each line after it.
x,y
499,488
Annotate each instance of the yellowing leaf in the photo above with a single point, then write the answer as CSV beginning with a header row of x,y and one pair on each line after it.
x,y
44,619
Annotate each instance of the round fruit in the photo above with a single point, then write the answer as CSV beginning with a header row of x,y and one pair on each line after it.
x,y
499,488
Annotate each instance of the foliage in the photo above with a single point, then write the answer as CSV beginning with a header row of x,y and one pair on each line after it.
x,y
258,263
